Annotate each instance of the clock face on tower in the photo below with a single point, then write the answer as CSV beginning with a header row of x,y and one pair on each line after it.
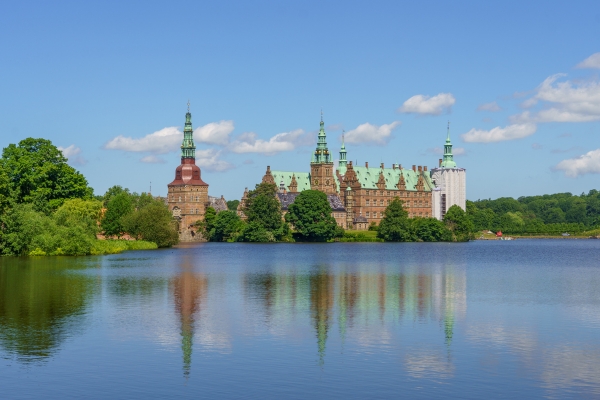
x,y
316,181
327,182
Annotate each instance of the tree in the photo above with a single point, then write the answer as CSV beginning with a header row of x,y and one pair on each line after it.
x,y
118,207
113,191
459,224
152,222
38,173
85,213
227,226
232,205
310,215
263,212
395,226
206,226
431,230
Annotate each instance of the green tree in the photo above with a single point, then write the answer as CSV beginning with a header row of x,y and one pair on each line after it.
x,y
206,226
84,213
232,205
431,230
111,192
310,215
395,225
263,212
227,227
459,224
118,207
153,222
38,173
255,232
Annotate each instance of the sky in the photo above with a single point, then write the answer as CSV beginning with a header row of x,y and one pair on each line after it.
x,y
109,82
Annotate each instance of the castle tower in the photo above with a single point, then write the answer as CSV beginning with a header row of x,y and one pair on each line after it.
x,y
450,183
343,163
321,165
188,193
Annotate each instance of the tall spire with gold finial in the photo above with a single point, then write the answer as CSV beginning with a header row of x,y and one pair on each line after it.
x,y
188,149
448,161
321,154
343,162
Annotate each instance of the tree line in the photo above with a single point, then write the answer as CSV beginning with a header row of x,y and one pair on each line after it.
x,y
309,219
48,208
537,215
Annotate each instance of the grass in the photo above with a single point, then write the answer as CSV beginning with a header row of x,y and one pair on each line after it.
x,y
360,236
118,246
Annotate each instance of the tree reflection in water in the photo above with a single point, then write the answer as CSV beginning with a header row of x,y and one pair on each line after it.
x,y
42,302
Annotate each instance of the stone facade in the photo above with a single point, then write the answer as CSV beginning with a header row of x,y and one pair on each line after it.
x,y
365,192
188,194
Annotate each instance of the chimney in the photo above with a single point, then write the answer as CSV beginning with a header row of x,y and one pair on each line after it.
x,y
393,166
414,168
425,168
269,167
420,168
440,163
399,166
382,167
367,164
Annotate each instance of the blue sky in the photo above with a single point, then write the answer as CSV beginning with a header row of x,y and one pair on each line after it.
x,y
109,82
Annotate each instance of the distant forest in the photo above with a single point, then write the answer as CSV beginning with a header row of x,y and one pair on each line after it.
x,y
548,214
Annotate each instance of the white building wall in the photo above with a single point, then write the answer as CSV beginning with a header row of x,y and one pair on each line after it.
x,y
451,182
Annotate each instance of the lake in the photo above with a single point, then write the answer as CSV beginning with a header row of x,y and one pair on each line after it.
x,y
485,319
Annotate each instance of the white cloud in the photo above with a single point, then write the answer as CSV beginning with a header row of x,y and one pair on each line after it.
x,y
493,107
368,133
565,101
592,61
511,132
214,133
71,153
209,160
286,141
421,104
160,142
169,139
152,159
588,163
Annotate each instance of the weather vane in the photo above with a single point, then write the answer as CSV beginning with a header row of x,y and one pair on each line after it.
x,y
188,105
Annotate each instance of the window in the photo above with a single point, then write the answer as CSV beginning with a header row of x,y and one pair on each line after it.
x,y
388,193
380,202
388,202
415,203
179,198
367,214
381,193
367,192
368,202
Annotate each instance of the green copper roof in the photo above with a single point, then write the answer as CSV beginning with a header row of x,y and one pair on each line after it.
x,y
343,162
321,154
188,149
448,160
368,178
302,178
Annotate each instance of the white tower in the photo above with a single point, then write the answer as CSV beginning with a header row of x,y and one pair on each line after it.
x,y
450,183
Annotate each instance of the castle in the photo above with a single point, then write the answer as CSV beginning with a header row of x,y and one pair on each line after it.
x,y
187,196
358,195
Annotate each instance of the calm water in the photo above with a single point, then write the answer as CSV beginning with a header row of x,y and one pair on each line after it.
x,y
369,320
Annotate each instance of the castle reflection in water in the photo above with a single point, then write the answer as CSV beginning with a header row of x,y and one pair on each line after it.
x,y
281,302
204,311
